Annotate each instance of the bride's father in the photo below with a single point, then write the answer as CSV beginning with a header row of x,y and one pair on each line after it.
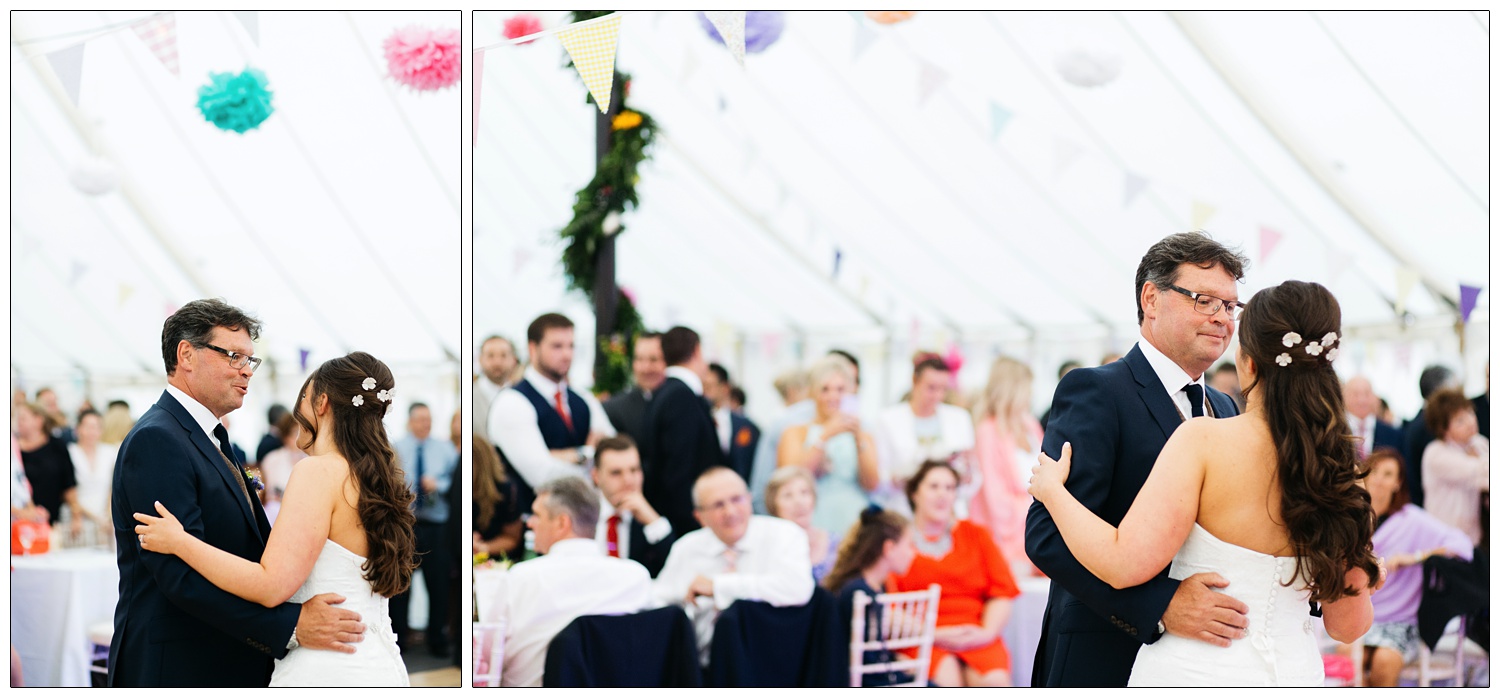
x,y
1118,417
172,627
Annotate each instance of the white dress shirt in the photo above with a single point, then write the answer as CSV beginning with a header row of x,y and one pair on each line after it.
x,y
545,594
1364,430
513,427
1173,378
200,414
659,529
772,565
684,374
721,425
485,394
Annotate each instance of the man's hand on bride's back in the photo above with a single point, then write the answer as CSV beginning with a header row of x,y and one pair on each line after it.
x,y
1197,612
323,626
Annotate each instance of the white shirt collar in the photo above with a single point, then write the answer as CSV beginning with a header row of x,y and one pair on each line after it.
x,y
686,375
540,382
200,414
1172,377
607,510
574,547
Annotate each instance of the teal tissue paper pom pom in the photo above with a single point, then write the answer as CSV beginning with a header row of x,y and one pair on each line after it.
x,y
236,102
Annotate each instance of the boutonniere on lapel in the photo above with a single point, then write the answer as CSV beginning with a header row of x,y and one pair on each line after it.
x,y
742,437
254,480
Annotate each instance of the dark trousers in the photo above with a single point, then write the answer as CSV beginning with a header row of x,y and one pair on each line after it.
x,y
432,557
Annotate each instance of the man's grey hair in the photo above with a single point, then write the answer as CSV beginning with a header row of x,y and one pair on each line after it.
x,y
711,472
1162,262
572,496
195,323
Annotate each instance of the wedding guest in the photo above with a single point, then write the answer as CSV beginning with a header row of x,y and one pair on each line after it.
x,y
627,411
1482,404
1415,435
736,556
572,578
49,468
1006,441
678,441
792,494
792,385
834,447
497,518
1361,405
1061,371
276,466
1388,415
56,422
921,429
1405,536
738,436
117,422
632,529
543,427
977,584
275,436
1226,379
428,464
1456,465
498,369
737,399
880,546
93,466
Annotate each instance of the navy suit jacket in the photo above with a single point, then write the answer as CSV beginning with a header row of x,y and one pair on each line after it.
x,y
1387,436
1118,417
741,457
652,557
172,627
679,444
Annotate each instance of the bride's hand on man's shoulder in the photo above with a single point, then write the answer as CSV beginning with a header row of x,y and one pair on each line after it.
x,y
1048,476
160,534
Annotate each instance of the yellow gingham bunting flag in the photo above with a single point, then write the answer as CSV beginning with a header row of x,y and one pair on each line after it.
x,y
592,48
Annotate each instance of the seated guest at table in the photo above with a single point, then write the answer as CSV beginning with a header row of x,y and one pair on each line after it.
x,y
1405,536
93,466
49,468
834,447
977,584
572,578
21,506
497,516
1456,464
736,556
632,530
792,495
880,546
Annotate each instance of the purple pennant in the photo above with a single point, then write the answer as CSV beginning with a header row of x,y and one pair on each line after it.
x,y
838,261
302,355
1468,297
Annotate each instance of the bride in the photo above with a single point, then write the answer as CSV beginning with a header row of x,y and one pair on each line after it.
x,y
1270,499
345,526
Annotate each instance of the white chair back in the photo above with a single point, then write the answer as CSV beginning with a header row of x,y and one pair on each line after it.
x,y
1446,661
489,653
905,620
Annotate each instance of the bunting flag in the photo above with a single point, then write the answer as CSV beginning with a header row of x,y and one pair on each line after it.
x,y
478,85
999,119
1064,153
159,34
1338,263
723,337
1201,213
770,344
1269,238
302,355
592,48
1406,280
124,294
250,19
928,81
79,269
1403,356
864,36
67,64
731,27
1134,185
838,261
1468,298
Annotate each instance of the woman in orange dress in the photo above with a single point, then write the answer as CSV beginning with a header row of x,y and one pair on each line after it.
x,y
976,581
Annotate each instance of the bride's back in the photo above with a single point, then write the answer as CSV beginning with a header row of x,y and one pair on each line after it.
x,y
344,525
1241,498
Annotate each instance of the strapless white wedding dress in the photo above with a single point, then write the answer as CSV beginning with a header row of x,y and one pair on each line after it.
x,y
376,660
1282,646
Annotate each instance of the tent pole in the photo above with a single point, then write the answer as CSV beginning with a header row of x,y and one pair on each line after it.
x,y
605,290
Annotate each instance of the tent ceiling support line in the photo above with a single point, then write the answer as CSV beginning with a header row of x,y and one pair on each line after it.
x,y
1193,30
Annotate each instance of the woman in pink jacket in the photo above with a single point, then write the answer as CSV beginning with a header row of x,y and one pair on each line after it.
x,y
1006,441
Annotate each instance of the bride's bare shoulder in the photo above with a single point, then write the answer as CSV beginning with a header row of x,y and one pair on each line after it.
x,y
328,465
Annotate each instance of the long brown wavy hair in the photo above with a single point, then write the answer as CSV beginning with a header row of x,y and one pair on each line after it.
x,y
863,545
1326,512
359,434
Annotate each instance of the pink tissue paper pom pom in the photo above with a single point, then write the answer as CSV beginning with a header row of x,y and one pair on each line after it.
x,y
424,59
524,24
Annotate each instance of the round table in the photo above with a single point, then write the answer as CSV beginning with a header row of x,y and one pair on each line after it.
x,y
54,598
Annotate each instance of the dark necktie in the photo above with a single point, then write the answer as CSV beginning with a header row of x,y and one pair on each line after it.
x,y
421,491
1195,396
222,435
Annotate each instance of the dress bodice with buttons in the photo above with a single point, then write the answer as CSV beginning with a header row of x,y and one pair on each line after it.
x,y
1281,648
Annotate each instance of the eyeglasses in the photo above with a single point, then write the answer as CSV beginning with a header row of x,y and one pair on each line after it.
x,y
723,504
1209,305
236,359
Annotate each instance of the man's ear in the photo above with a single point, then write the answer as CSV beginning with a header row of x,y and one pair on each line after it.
x,y
185,354
1150,295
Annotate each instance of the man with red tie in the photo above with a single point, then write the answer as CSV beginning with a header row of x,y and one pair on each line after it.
x,y
628,527
1370,433
543,428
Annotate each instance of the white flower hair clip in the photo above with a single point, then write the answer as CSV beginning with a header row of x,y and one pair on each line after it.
x,y
359,400
1291,339
1332,354
369,384
1330,338
383,396
1314,348
1284,360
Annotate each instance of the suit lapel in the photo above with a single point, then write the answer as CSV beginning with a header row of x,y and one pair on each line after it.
x,y
215,458
1153,394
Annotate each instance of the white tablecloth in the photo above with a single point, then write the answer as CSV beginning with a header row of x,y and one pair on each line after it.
x,y
54,598
489,584
1024,630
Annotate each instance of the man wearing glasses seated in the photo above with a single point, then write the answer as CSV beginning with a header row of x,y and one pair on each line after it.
x,y
735,556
